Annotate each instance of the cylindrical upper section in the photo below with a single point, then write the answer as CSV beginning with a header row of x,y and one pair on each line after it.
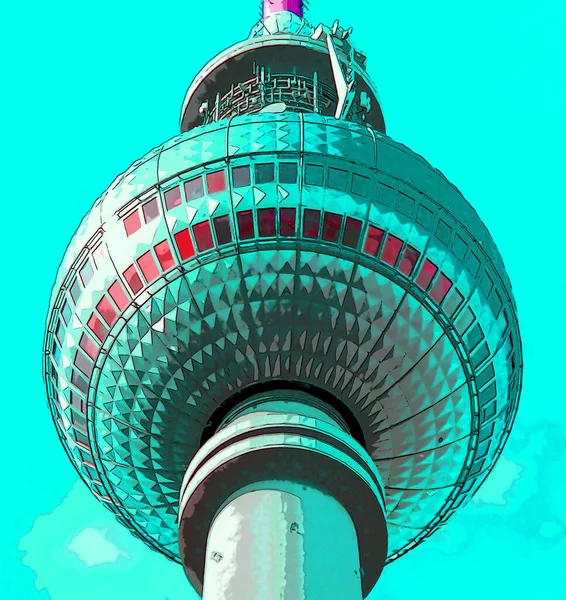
x,y
283,542
273,6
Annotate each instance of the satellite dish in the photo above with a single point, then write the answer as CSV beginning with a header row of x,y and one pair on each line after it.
x,y
276,107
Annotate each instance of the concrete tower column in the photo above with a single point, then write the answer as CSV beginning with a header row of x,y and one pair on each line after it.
x,y
272,506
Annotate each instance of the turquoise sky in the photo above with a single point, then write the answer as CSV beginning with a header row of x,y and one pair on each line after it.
x,y
478,88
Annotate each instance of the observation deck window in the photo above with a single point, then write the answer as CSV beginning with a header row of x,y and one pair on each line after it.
x,y
391,249
373,240
331,226
287,172
150,210
428,271
245,224
184,244
266,222
148,267
287,218
86,273
90,348
410,257
203,236
194,189
132,223
107,311
311,223
352,232
215,182
222,230
173,197
440,288
133,279
360,185
96,326
241,176
264,173
118,294
314,175
164,256
337,179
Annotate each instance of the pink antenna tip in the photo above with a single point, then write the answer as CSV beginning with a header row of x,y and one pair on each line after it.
x,y
273,6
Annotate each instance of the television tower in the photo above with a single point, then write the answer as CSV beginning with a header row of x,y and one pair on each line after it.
x,y
281,347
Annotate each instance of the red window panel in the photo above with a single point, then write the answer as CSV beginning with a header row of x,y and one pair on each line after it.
x,y
203,236
428,271
172,197
391,249
164,255
118,294
150,210
133,279
88,346
132,223
440,288
352,232
215,182
266,222
148,267
287,217
331,226
373,240
84,364
311,223
184,244
409,260
245,224
222,229
96,326
107,311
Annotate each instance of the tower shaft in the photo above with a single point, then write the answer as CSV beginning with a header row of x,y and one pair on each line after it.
x,y
284,542
274,506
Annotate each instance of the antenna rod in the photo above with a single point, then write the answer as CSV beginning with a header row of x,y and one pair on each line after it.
x,y
273,6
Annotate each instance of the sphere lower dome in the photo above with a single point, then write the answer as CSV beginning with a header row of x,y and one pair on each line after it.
x,y
291,247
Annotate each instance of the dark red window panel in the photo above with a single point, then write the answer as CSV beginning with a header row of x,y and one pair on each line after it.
x,y
173,197
148,267
133,279
266,221
391,249
88,346
118,294
107,311
409,260
331,225
215,182
311,223
428,271
352,232
203,236
150,210
96,326
373,240
184,244
440,288
222,229
245,224
287,217
84,364
132,223
164,255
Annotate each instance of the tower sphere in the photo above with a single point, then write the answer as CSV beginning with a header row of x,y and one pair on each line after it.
x,y
284,243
